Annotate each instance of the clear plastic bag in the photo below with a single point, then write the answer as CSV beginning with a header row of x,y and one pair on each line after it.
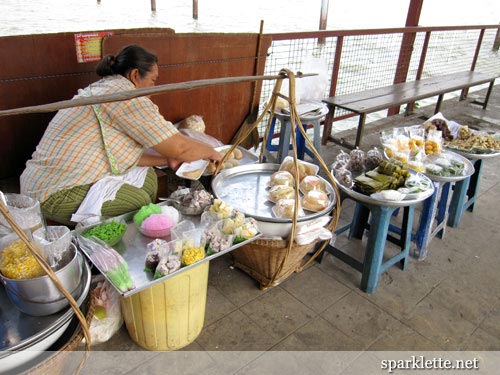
x,y
108,261
107,318
54,242
25,211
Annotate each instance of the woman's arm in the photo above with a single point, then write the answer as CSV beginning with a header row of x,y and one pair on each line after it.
x,y
185,149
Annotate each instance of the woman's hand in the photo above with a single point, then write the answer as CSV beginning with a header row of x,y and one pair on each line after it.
x,y
185,149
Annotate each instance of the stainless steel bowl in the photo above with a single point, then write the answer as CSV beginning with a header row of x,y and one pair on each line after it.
x,y
40,296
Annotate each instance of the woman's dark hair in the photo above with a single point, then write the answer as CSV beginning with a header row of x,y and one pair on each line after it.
x,y
130,57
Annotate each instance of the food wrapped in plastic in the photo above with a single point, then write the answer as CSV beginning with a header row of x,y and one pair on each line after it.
x,y
109,261
221,209
217,240
54,242
343,157
283,178
285,208
309,183
170,259
278,192
155,249
304,168
356,160
193,247
339,164
247,230
373,158
344,177
315,200
25,211
433,142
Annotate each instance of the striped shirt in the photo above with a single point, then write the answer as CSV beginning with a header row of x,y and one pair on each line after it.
x,y
71,152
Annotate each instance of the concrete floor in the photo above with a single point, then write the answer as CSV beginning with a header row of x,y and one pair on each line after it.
x,y
449,301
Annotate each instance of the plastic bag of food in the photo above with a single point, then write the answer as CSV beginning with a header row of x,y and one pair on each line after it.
x,y
54,242
193,247
285,208
169,258
356,160
216,239
108,261
107,318
25,211
373,158
433,142
193,122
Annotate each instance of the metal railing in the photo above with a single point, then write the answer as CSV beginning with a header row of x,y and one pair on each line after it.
x,y
356,60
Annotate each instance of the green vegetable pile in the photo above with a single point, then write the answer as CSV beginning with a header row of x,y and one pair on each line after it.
x,y
110,232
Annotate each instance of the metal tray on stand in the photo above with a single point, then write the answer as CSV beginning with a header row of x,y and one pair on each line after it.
x,y
132,248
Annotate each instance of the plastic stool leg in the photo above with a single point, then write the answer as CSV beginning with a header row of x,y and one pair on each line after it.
x,y
285,134
375,246
457,205
359,221
425,223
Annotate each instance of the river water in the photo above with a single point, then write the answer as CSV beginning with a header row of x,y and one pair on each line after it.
x,y
49,16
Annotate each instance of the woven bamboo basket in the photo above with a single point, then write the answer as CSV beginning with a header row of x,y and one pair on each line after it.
x,y
263,259
63,361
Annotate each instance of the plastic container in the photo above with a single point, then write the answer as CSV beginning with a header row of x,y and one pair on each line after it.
x,y
168,315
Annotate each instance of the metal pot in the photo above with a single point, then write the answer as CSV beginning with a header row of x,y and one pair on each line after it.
x,y
40,296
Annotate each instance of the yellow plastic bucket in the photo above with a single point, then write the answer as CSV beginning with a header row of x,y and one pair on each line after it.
x,y
168,315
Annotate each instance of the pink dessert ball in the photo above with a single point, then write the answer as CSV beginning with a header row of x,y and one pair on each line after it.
x,y
157,225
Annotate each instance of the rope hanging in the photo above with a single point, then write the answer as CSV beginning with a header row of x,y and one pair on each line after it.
x,y
294,122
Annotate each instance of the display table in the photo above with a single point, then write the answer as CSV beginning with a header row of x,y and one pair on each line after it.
x,y
312,117
466,191
381,212
435,209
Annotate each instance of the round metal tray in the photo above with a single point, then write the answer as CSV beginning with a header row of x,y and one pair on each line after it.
x,y
383,202
474,155
469,169
20,331
246,188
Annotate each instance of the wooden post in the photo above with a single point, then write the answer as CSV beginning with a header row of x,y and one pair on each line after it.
x,y
406,48
323,18
195,9
496,42
153,5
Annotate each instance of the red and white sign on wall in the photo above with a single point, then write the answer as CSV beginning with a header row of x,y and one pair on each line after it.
x,y
89,45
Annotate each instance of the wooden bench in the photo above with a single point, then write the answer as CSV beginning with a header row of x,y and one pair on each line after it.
x,y
374,100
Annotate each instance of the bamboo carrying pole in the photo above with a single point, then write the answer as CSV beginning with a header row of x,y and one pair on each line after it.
x,y
48,270
131,94
294,123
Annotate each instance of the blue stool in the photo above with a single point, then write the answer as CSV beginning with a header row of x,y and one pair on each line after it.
x,y
286,130
373,264
434,209
464,196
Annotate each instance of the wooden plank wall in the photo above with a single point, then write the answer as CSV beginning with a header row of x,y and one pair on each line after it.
x,y
40,69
